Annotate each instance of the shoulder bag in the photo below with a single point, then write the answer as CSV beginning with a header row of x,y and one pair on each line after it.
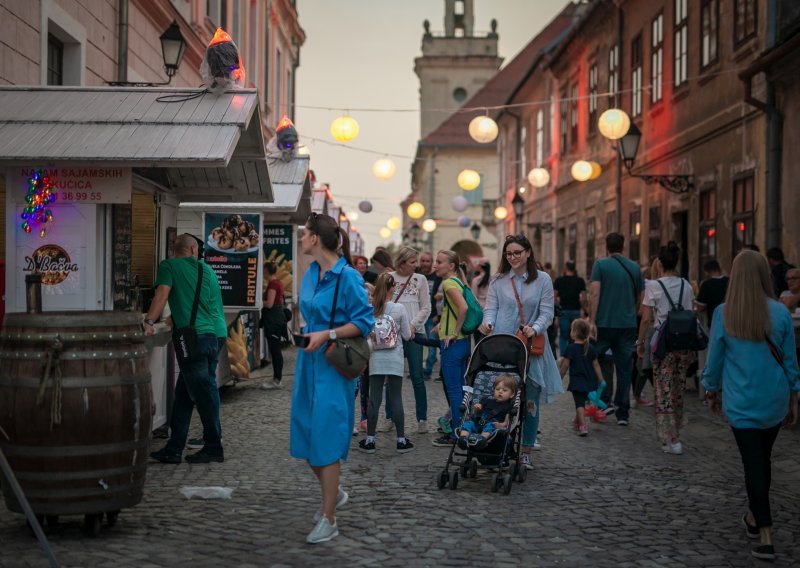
x,y
185,338
536,343
348,356
633,282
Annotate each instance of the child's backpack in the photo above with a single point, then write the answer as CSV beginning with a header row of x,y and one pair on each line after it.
x,y
384,334
680,331
474,311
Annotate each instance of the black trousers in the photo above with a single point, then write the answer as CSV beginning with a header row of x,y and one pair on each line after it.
x,y
755,446
274,346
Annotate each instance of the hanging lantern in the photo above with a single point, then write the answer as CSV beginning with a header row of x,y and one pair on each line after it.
x,y
581,170
416,210
464,221
483,129
429,225
500,213
385,233
344,128
614,123
365,206
460,203
384,169
469,180
538,177
596,170
394,223
353,215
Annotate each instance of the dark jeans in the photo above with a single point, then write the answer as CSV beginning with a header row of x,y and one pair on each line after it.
x,y
274,346
430,360
755,446
394,396
413,353
454,367
197,386
621,341
564,324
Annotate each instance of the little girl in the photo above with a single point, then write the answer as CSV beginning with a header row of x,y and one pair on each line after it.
x,y
584,371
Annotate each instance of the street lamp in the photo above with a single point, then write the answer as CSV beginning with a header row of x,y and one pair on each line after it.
x,y
518,205
173,47
475,230
629,146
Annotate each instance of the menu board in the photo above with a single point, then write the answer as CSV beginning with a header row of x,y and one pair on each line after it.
x,y
121,256
279,248
232,249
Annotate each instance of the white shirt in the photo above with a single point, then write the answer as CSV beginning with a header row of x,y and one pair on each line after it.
x,y
416,298
654,296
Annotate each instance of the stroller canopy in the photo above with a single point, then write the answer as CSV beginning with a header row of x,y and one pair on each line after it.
x,y
499,349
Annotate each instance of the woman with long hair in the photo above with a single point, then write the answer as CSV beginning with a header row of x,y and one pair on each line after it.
x,y
392,330
274,324
521,298
752,360
480,282
322,400
454,345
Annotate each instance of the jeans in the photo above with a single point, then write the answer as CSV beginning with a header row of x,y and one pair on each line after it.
x,y
473,428
621,341
454,367
530,427
755,446
197,386
564,324
413,352
430,360
275,353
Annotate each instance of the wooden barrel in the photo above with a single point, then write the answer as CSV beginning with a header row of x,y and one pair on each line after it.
x,y
82,448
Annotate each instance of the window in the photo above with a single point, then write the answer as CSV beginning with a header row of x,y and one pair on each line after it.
x,y
290,94
593,98
523,154
474,197
217,12
253,36
611,222
573,115
278,83
237,22
708,226
636,76
460,94
681,48
562,133
539,138
654,226
709,32
590,248
745,13
635,220
743,217
657,63
573,242
613,73
55,61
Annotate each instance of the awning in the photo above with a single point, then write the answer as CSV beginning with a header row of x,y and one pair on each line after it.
x,y
194,142
291,187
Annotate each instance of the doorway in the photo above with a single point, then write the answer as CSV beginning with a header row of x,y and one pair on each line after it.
x,y
680,234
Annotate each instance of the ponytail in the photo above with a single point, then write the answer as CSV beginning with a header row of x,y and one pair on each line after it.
x,y
344,248
331,235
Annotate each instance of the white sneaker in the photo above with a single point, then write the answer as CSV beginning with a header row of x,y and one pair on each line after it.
x,y
422,427
385,425
536,446
323,531
671,448
341,499
270,385
525,461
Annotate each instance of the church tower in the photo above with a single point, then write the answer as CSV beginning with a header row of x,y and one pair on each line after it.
x,y
454,64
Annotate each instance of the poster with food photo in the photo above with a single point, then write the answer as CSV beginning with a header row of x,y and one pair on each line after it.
x,y
232,247
278,241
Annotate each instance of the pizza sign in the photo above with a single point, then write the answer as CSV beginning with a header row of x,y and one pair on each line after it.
x,y
52,262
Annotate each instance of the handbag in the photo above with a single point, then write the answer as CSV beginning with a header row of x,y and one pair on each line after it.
x,y
185,338
535,344
348,356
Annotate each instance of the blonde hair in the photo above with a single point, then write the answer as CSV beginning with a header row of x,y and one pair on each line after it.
x,y
453,258
507,381
405,253
746,309
580,331
382,293
656,270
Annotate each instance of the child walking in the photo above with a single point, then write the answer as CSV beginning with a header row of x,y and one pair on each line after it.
x,y
584,371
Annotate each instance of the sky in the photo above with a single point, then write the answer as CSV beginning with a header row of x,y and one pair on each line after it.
x,y
359,54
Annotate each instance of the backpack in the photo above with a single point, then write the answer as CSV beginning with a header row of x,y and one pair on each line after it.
x,y
680,331
474,311
384,334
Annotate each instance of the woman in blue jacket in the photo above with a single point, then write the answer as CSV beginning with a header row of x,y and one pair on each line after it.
x,y
752,360
322,400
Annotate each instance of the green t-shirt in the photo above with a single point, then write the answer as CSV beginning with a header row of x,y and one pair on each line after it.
x,y
619,291
180,274
447,323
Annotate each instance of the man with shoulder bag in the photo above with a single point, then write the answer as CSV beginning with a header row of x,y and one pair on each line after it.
x,y
199,332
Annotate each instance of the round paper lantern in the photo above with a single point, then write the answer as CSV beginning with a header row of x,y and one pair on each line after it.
x,y
464,221
429,225
344,128
581,170
394,223
500,213
614,123
460,203
416,210
483,129
469,180
365,206
596,170
384,169
538,177
385,233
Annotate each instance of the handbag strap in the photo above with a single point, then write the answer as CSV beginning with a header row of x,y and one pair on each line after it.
x,y
633,280
403,289
774,350
196,294
680,294
335,299
519,302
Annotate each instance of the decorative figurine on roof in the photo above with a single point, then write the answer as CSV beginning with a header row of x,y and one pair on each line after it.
x,y
284,144
222,67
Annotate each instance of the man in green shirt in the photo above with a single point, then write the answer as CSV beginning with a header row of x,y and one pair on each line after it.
x,y
176,282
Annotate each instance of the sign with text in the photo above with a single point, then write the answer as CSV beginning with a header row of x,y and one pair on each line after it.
x,y
279,248
75,184
232,247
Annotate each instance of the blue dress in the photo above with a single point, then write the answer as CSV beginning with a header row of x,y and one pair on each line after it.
x,y
322,399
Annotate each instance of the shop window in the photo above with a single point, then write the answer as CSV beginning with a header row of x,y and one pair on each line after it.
x,y
55,60
562,133
635,228
709,32
613,74
654,228
573,115
636,76
590,244
573,241
743,213
681,47
745,15
592,99
657,63
708,226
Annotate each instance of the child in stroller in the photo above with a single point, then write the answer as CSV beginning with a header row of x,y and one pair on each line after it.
x,y
489,415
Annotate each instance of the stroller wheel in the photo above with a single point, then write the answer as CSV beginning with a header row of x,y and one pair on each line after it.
x,y
453,480
473,469
507,483
494,481
442,479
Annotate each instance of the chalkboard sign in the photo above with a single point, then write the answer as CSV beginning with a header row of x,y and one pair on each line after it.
x,y
121,256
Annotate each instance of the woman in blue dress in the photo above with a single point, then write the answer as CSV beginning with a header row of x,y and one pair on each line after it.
x,y
501,315
322,400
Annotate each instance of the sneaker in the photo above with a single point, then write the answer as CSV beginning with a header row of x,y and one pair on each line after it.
x,y
422,427
642,401
270,385
205,457
404,447
525,461
752,531
323,531
609,410
341,499
443,441
583,430
444,425
764,552
385,425
165,456
195,443
536,446
671,448
622,422
366,447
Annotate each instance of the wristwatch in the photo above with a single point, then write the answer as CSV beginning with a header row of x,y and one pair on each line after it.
x,y
332,334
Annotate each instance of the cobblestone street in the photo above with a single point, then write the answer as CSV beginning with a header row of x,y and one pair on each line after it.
x,y
610,499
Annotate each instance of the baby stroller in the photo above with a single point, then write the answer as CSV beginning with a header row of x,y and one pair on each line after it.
x,y
494,355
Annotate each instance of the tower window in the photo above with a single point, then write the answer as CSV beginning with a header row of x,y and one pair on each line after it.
x,y
460,94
